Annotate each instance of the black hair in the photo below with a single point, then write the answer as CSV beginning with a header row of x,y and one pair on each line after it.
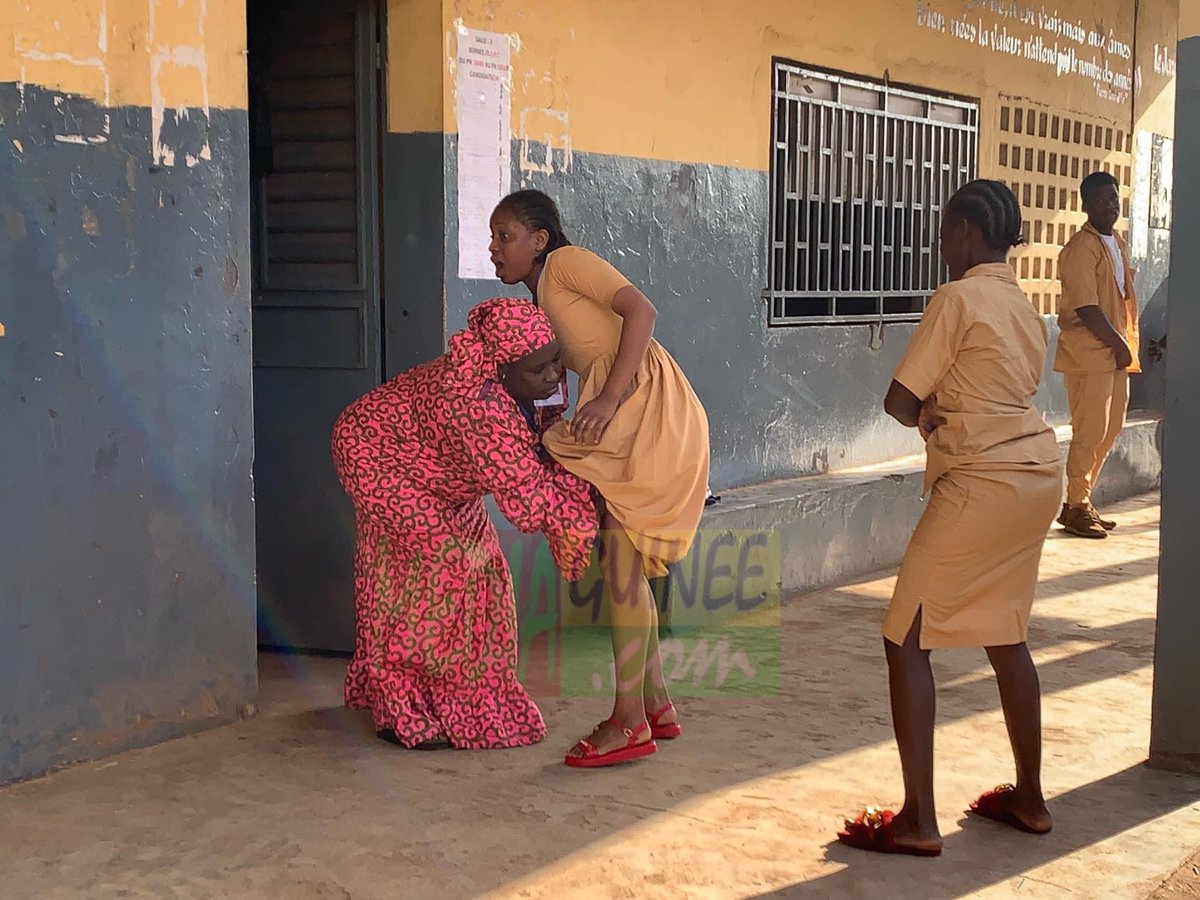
x,y
1095,182
992,208
537,212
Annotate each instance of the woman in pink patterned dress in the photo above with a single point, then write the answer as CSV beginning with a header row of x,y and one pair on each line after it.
x,y
436,648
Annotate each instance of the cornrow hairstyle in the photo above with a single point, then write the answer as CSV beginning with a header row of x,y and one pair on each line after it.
x,y
1097,181
993,209
537,212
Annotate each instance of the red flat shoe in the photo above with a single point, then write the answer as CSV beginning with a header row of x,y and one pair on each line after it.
x,y
991,806
666,731
592,759
872,831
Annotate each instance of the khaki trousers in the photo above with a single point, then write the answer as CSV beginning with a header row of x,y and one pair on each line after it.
x,y
1098,406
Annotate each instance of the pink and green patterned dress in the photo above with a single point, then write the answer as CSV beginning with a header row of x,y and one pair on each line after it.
x,y
436,647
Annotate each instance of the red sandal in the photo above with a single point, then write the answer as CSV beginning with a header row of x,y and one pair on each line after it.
x,y
872,831
592,759
991,805
666,731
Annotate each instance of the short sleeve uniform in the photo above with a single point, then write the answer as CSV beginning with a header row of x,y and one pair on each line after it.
x,y
651,466
993,472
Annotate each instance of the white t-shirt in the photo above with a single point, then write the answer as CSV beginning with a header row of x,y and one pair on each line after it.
x,y
1114,251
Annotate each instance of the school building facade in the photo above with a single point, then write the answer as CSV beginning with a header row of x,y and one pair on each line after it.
x,y
225,220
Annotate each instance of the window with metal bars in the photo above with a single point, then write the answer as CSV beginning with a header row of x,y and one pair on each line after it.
x,y
860,172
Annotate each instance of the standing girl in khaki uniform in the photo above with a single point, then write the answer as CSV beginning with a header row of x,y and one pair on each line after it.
x,y
640,436
994,479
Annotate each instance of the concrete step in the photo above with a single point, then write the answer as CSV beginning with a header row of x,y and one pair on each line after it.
x,y
847,523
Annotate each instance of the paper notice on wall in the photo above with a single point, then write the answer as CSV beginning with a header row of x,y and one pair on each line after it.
x,y
484,92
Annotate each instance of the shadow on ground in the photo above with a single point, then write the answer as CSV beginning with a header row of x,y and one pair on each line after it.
x,y
304,802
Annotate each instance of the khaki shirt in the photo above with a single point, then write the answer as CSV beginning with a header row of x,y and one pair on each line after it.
x,y
576,290
979,352
1085,268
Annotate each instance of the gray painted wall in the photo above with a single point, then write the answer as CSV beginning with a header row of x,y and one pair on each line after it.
x,y
1148,390
126,528
781,401
1175,729
414,250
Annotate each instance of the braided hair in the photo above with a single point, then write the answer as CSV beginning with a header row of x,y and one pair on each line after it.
x,y
992,208
537,212
1096,182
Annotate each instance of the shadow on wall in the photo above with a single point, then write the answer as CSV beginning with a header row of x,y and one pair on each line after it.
x,y
1149,391
127,522
782,401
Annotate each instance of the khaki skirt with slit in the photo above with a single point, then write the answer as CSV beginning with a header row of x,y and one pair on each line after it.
x,y
971,567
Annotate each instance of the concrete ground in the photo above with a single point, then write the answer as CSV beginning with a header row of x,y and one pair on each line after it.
x,y
1184,884
303,802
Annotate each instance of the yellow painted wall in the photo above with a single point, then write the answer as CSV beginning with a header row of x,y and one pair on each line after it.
x,y
691,81
1157,40
1189,19
678,81
155,53
415,67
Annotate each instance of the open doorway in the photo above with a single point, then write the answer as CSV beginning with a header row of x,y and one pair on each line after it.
x,y
315,120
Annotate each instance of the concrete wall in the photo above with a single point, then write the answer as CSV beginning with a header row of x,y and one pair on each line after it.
x,y
833,528
126,535
657,148
414,185
1175,730
126,527
1154,114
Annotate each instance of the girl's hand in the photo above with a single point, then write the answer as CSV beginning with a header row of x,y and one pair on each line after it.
x,y
929,421
592,419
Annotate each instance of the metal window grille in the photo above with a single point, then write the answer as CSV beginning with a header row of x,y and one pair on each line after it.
x,y
860,172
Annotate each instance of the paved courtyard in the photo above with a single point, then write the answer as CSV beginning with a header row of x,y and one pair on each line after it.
x,y
303,802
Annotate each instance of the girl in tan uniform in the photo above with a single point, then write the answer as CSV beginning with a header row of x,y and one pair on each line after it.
x,y
994,479
640,435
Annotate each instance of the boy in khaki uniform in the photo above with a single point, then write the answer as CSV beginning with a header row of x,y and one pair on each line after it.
x,y
1097,348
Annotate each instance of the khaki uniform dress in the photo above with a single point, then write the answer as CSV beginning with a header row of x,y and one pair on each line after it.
x,y
993,472
651,465
1097,391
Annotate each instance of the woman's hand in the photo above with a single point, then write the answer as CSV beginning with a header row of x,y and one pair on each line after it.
x,y
592,419
601,506
928,420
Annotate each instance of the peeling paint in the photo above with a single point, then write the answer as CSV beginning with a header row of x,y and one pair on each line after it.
x,y
232,275
178,74
97,342
546,133
32,53
457,27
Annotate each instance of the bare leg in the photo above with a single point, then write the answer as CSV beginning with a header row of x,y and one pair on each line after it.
x,y
914,707
633,616
1021,699
654,692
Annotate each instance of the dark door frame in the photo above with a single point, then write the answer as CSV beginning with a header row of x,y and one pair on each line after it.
x,y
321,622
